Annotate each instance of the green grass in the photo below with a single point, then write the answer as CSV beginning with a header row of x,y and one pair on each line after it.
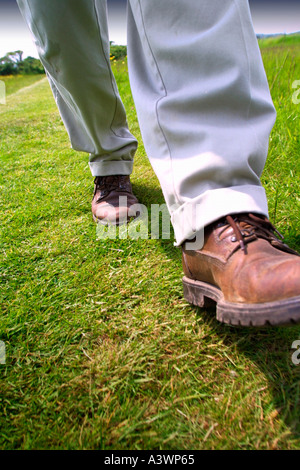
x,y
102,351
14,83
280,40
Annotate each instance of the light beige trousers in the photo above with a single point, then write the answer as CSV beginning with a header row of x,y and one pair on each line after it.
x,y
200,91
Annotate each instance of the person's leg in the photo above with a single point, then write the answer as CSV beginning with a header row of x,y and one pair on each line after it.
x,y
73,45
206,114
72,42
200,88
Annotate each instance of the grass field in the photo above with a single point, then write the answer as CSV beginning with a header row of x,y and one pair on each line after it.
x,y
102,351
14,83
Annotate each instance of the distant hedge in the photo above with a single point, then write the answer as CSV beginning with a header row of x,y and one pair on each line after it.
x,y
118,52
14,64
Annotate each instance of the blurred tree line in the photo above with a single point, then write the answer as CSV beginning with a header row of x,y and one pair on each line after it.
x,y
14,64
117,52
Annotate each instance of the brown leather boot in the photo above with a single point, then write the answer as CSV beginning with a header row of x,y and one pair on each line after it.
x,y
247,270
112,199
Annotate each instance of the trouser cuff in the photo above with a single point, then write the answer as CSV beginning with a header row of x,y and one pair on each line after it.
x,y
194,215
120,167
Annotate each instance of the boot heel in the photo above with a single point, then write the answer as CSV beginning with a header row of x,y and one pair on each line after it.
x,y
195,294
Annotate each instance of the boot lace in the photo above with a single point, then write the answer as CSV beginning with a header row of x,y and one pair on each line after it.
x,y
106,184
250,227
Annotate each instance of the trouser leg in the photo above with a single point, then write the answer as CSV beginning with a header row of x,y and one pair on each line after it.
x,y
203,104
72,41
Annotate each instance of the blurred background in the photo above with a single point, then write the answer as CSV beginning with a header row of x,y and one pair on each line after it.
x,y
269,17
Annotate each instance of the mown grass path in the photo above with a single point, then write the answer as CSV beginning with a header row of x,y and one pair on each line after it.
x,y
102,351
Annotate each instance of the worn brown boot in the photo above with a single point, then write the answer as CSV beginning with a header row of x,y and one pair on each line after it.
x,y
247,270
112,200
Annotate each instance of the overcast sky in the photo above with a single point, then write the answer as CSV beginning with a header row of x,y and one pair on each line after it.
x,y
269,16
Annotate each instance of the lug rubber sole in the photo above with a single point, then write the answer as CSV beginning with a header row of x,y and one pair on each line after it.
x,y
280,313
115,222
108,223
